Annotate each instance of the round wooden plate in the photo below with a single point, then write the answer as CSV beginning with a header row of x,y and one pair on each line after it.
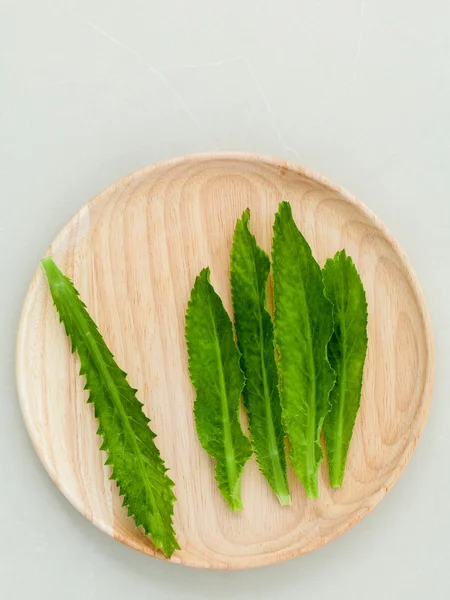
x,y
133,253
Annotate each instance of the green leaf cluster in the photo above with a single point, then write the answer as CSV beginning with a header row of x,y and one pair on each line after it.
x,y
299,374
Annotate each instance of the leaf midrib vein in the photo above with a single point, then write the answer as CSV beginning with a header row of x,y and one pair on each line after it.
x,y
230,458
342,340
273,448
311,429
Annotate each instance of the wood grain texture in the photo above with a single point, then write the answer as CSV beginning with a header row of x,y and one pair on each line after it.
x,y
133,253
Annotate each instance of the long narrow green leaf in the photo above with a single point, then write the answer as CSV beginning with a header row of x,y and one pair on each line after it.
x,y
303,327
137,466
250,268
347,353
218,380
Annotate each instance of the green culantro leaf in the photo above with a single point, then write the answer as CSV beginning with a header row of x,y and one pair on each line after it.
x,y
303,327
346,352
250,267
218,380
136,463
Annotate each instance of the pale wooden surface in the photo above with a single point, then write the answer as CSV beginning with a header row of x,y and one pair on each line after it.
x,y
133,254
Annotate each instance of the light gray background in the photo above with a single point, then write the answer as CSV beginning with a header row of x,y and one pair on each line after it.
x,y
92,90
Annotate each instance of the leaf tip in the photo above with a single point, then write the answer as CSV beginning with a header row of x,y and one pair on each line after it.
x,y
49,266
46,260
205,274
285,207
340,254
235,504
284,499
246,216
